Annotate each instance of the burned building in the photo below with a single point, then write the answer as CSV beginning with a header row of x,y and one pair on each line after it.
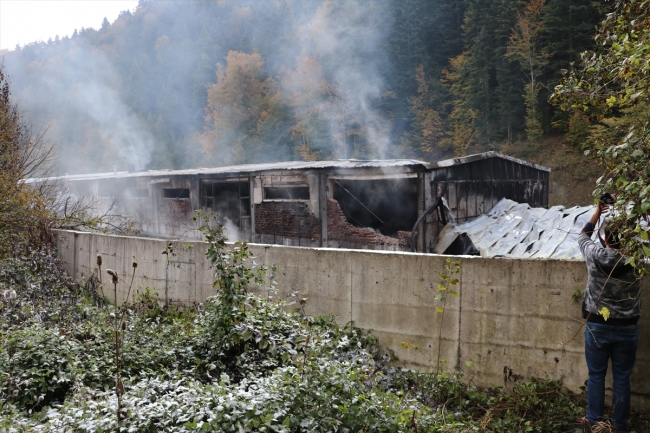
x,y
341,204
474,184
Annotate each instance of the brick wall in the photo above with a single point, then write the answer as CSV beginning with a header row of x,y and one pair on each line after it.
x,y
339,229
295,220
287,219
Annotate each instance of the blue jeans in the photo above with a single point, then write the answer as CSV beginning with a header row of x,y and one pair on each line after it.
x,y
618,343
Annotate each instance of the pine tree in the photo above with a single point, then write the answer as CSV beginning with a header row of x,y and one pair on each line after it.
x,y
525,47
462,120
569,28
428,123
509,85
424,32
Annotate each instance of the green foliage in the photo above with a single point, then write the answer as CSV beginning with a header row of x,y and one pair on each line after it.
x,y
540,405
525,47
44,292
25,219
579,129
36,367
462,119
576,296
448,287
238,362
612,87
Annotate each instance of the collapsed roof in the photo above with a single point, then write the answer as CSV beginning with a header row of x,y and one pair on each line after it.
x,y
512,229
255,168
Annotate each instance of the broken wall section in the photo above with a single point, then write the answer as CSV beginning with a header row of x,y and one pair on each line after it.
x,y
343,234
293,223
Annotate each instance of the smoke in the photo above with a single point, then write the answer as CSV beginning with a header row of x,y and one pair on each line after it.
x,y
231,231
98,99
135,93
348,39
83,89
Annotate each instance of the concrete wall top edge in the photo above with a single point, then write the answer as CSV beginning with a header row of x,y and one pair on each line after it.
x,y
384,252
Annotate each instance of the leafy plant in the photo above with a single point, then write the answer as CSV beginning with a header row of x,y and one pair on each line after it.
x,y
447,276
36,367
576,296
612,87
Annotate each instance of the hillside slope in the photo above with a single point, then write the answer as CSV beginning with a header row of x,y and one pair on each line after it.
x,y
573,175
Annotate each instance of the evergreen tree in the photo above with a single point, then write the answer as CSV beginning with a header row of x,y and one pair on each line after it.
x,y
462,121
525,47
569,28
424,32
509,105
428,132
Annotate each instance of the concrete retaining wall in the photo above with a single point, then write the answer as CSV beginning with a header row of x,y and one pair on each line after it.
x,y
510,313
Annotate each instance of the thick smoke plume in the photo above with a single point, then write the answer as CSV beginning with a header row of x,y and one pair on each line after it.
x,y
136,92
83,90
348,39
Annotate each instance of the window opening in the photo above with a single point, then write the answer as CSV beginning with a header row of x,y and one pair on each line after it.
x,y
286,193
83,188
176,193
359,201
109,189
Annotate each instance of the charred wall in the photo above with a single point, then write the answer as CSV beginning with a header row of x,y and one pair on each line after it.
x,y
293,223
473,188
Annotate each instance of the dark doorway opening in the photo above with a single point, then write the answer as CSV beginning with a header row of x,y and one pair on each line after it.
x,y
230,201
386,205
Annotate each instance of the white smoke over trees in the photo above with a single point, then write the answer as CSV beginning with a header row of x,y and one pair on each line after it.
x,y
146,91
329,111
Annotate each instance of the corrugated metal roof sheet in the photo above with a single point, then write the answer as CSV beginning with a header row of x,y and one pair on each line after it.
x,y
253,168
296,165
486,155
512,229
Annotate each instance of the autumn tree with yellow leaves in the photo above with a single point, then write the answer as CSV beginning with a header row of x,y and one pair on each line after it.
x,y
525,47
243,109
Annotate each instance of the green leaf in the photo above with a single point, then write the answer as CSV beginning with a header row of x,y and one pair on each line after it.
x,y
439,310
637,153
441,287
453,293
604,312
454,282
646,250
469,364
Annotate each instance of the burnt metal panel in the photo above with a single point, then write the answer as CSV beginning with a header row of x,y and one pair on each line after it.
x,y
354,164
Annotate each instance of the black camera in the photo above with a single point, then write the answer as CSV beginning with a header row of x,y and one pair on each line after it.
x,y
606,198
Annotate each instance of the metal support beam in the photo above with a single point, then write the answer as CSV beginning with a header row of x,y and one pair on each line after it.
x,y
322,205
251,182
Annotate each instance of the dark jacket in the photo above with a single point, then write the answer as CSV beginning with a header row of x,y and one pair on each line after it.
x,y
611,283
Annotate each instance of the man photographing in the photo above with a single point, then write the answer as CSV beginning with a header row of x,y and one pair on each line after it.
x,y
611,306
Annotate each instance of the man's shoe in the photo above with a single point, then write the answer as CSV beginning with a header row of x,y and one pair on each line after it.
x,y
581,425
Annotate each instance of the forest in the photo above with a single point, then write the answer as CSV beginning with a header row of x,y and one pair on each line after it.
x,y
197,83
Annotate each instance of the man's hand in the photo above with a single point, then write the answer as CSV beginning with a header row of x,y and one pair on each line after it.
x,y
598,211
